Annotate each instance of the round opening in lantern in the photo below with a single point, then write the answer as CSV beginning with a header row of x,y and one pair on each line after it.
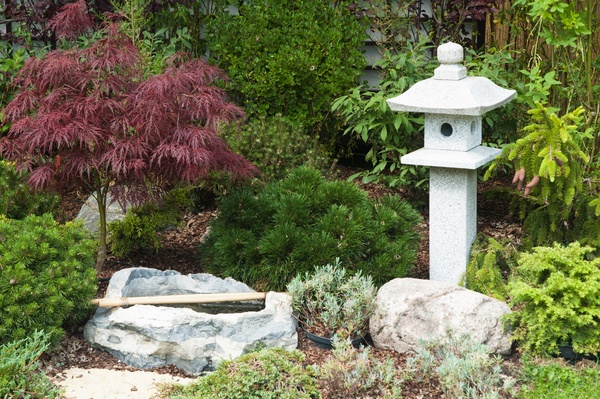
x,y
447,129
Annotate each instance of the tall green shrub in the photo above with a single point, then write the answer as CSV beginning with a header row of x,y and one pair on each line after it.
x,y
47,276
288,57
265,237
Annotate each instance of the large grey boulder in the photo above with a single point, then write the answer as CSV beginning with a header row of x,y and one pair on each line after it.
x,y
115,210
411,310
194,340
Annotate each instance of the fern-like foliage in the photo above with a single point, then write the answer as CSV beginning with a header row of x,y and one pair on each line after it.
x,y
490,263
549,162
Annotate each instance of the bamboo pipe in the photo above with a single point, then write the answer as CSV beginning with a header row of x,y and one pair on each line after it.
x,y
179,299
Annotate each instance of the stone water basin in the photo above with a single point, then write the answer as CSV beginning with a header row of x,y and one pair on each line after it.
x,y
195,337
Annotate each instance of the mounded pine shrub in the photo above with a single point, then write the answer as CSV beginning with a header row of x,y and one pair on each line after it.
x,y
265,237
47,276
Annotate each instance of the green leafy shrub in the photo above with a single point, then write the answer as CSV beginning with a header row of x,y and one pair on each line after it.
x,y
464,367
555,294
327,301
19,373
490,264
266,237
288,58
353,373
17,199
138,230
275,145
47,276
390,135
267,374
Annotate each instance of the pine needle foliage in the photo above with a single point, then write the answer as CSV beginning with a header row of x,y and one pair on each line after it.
x,y
265,237
89,118
46,276
555,294
549,156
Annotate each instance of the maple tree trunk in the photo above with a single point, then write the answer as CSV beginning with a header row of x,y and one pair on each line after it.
x,y
101,199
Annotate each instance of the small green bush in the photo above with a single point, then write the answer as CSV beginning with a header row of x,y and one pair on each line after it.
x,y
555,294
275,145
289,58
353,373
266,237
464,367
489,266
327,301
138,230
47,276
267,374
19,373
17,200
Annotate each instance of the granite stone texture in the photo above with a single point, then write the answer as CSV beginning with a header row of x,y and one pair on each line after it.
x,y
453,104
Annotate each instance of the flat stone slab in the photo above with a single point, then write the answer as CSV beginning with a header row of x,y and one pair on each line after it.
x,y
147,336
471,159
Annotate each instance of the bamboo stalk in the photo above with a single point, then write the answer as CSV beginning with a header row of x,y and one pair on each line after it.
x,y
179,299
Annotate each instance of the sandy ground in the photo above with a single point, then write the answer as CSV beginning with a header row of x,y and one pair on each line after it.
x,y
112,384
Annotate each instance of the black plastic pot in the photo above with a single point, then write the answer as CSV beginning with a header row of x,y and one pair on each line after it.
x,y
327,343
568,353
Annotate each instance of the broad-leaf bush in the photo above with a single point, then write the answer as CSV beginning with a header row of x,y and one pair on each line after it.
x,y
555,294
264,237
47,276
19,373
289,58
390,135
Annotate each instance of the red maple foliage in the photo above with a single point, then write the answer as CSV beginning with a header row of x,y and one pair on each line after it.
x,y
88,118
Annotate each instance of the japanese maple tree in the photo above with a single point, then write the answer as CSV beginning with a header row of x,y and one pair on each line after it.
x,y
89,119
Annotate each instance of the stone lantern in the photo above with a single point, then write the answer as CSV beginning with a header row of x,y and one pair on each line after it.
x,y
453,104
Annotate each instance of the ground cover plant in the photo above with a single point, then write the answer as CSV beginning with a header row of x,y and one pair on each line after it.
x,y
89,118
559,380
273,373
47,276
19,373
265,237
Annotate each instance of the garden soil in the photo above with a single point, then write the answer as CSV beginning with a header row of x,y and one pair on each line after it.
x,y
86,372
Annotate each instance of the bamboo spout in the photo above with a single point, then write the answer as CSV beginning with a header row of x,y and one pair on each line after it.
x,y
179,299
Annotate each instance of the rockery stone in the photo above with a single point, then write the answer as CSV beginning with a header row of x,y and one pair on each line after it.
x,y
411,310
194,340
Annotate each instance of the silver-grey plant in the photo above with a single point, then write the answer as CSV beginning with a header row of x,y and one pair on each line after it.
x,y
329,302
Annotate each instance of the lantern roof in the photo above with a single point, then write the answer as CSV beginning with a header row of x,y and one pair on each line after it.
x,y
451,91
